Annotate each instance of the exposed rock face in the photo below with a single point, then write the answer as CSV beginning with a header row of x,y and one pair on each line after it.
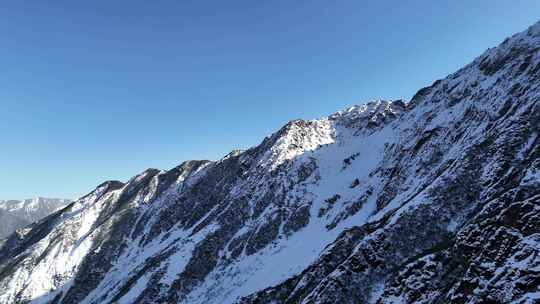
x,y
432,201
17,214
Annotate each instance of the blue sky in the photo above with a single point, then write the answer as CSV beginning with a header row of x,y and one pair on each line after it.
x,y
97,90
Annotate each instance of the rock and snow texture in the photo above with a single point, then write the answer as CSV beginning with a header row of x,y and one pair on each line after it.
x,y
16,214
436,200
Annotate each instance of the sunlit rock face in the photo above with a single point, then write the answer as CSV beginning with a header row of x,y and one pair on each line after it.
x,y
433,200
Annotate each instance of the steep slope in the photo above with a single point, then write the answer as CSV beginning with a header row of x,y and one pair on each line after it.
x,y
431,201
16,214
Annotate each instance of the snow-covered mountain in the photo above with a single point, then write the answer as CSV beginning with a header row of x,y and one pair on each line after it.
x,y
16,214
434,200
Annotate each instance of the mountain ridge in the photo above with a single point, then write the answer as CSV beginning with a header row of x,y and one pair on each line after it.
x,y
435,200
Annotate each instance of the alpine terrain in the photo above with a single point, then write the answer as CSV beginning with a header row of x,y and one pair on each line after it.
x,y
16,214
432,200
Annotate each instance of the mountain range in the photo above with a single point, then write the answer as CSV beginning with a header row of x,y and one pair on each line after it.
x,y
431,200
15,214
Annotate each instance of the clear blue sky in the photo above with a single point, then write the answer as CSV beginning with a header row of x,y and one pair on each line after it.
x,y
98,90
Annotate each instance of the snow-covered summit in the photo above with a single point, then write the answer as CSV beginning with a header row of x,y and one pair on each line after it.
x,y
15,214
32,204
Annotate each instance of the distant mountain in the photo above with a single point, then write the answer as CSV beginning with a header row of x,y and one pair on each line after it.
x,y
17,214
432,200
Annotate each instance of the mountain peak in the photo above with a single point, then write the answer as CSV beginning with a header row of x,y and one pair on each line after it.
x,y
16,214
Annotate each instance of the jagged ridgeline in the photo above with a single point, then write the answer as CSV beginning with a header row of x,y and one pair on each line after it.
x,y
434,200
